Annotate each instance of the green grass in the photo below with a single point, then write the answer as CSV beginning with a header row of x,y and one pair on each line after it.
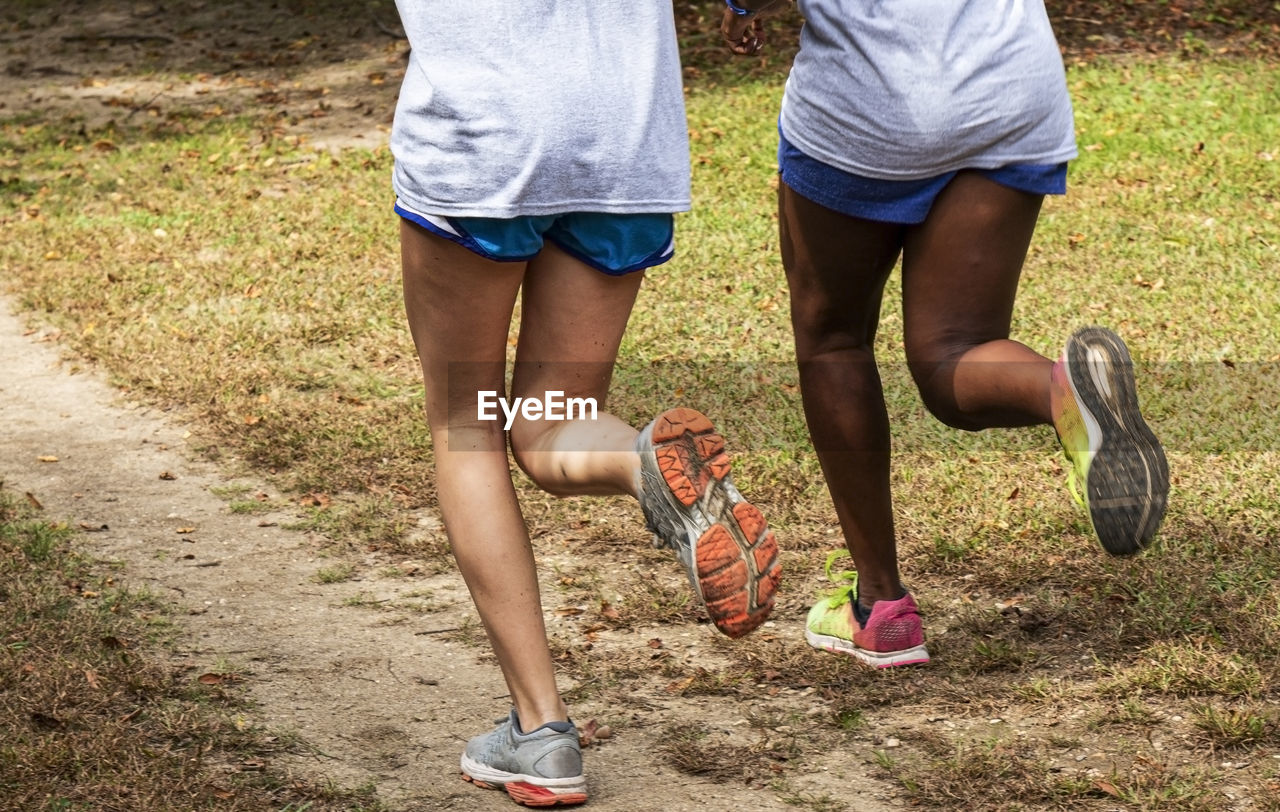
x,y
254,284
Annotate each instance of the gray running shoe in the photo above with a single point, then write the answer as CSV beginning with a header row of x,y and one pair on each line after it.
x,y
540,768
691,505
1119,471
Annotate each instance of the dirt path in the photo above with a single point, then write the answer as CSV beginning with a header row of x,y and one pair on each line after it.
x,y
382,702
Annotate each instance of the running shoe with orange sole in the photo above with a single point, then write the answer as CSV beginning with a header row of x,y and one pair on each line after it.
x,y
691,505
540,768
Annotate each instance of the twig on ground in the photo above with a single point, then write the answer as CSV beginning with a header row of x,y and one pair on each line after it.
x,y
121,38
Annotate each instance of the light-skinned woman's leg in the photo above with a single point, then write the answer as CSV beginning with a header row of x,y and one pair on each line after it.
x,y
459,307
571,325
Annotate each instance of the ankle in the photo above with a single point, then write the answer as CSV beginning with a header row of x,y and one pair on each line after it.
x,y
532,719
1059,392
869,593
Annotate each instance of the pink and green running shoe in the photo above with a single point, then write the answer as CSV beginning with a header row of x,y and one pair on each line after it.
x,y
890,634
1119,472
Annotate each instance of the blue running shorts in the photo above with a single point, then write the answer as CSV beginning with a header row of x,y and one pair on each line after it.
x,y
614,244
906,202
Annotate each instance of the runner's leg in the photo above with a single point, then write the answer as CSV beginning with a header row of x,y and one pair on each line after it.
x,y
960,271
572,321
459,307
836,269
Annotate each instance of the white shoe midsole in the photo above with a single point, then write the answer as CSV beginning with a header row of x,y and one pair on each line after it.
x,y
492,775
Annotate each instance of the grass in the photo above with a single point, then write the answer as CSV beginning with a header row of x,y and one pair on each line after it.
x,y
220,268
92,718
335,574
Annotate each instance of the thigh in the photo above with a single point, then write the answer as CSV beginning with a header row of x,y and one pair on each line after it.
x,y
572,318
836,267
459,306
961,266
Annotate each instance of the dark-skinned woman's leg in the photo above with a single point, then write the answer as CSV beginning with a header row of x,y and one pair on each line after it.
x,y
960,272
836,269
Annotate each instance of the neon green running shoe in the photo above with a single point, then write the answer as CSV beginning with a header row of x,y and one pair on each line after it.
x,y
1118,468
890,634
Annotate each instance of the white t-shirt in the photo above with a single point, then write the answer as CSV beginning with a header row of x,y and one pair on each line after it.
x,y
910,89
540,107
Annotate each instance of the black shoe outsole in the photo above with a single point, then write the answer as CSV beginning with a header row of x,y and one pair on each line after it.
x,y
1128,481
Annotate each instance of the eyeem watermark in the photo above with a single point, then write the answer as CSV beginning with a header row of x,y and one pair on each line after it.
x,y
554,406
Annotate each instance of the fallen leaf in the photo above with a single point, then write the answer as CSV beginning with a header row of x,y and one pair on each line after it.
x,y
607,611
655,643
318,500
217,679
165,475
93,528
47,458
680,686
33,501
186,530
92,678
569,611
1108,788
592,732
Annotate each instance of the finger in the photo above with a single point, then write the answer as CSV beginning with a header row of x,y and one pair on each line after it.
x,y
752,40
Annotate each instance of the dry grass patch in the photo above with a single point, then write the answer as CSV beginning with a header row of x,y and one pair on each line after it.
x,y
693,748
92,718
1187,669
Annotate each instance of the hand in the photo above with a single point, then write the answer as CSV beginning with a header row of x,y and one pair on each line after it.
x,y
743,32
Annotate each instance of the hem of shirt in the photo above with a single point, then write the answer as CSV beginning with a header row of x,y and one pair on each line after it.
x,y
543,210
984,160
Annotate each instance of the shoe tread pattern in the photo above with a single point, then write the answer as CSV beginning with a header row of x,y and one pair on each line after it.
x,y
1128,481
736,557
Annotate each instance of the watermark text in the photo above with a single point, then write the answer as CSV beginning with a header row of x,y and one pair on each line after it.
x,y
553,406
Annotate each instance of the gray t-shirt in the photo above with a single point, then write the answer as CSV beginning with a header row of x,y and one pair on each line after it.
x,y
540,107
909,89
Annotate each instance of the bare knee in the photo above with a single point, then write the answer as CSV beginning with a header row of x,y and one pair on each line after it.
x,y
538,454
934,373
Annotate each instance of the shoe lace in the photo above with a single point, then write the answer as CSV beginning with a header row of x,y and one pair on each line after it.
x,y
846,581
